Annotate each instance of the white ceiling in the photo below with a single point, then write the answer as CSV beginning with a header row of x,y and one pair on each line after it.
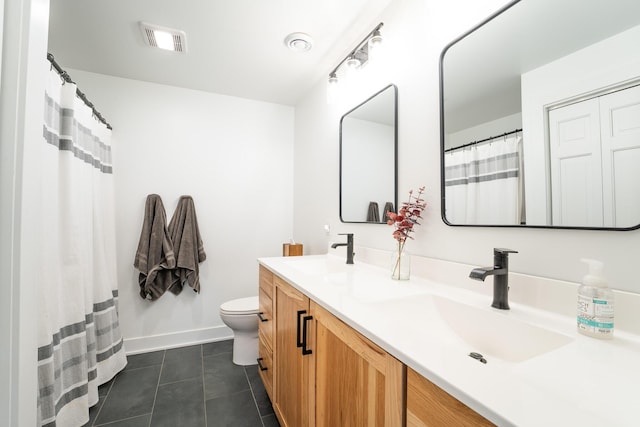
x,y
235,47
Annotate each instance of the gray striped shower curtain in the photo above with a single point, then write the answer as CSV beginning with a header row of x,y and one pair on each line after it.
x,y
79,340
484,183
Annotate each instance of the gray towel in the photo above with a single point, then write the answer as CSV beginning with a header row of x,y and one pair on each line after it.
x,y
154,257
187,246
388,207
373,213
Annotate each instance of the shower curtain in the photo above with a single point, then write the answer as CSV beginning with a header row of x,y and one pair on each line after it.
x,y
484,183
79,340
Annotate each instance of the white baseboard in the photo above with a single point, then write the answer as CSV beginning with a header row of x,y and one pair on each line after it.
x,y
176,339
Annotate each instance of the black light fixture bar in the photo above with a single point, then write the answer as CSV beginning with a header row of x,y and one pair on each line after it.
x,y
358,48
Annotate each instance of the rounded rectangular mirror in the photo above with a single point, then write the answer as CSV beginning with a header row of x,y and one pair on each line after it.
x,y
368,159
540,117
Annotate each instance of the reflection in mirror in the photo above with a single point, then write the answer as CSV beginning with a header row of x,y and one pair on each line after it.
x,y
368,159
540,117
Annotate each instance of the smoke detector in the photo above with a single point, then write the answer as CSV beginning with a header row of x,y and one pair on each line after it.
x,y
163,37
299,42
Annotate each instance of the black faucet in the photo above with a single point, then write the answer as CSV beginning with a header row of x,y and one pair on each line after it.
x,y
349,246
500,271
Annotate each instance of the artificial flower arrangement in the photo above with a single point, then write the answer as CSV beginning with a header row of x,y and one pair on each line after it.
x,y
404,221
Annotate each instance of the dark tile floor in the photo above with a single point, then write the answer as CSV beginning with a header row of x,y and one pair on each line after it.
x,y
195,386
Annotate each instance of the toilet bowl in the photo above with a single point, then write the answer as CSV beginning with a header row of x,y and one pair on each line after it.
x,y
241,316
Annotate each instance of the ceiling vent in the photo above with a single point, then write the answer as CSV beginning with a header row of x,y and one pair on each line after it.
x,y
164,38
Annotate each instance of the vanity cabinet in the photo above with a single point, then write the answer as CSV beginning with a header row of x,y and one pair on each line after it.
x,y
324,373
430,406
265,329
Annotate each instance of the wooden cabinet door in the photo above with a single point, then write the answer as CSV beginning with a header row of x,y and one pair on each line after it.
x,y
430,406
357,382
292,385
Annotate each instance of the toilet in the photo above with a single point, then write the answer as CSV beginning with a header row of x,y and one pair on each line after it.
x,y
241,316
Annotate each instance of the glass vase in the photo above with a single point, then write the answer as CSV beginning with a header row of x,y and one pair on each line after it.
x,y
400,265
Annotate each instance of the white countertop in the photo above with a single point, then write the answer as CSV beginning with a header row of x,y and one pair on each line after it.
x,y
585,382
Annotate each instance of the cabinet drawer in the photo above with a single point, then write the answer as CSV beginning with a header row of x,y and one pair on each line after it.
x,y
266,281
265,366
265,325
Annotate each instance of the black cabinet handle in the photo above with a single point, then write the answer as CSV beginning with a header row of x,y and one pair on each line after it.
x,y
262,319
262,368
299,342
305,350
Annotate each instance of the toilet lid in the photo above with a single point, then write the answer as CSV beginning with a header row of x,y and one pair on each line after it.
x,y
240,306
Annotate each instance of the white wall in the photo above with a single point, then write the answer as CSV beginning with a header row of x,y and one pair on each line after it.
x,y
233,156
417,31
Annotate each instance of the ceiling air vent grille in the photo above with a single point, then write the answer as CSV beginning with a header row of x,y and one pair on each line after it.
x,y
178,43
164,38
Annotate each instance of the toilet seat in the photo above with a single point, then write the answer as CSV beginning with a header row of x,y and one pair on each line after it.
x,y
240,306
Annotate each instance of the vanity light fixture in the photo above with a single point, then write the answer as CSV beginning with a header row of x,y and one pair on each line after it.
x,y
359,56
299,42
163,37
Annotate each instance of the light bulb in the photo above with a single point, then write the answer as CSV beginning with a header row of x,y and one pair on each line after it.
x,y
353,63
375,41
164,40
332,88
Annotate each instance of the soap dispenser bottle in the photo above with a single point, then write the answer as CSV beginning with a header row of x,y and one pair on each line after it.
x,y
595,303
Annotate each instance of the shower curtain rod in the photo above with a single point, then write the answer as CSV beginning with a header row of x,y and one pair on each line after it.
x,y
483,140
65,76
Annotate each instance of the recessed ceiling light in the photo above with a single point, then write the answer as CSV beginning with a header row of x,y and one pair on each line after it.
x,y
164,38
299,42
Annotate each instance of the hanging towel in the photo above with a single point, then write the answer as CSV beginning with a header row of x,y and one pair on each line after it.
x,y
373,213
155,256
388,207
187,245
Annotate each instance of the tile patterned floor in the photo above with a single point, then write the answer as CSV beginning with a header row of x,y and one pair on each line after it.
x,y
196,386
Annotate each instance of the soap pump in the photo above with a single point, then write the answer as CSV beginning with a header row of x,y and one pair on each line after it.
x,y
595,303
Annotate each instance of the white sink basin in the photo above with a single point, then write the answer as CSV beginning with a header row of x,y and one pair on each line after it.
x,y
496,334
493,333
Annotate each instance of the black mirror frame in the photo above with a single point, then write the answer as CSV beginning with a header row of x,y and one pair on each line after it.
x,y
395,152
442,146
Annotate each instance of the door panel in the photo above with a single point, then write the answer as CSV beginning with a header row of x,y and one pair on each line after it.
x,y
575,164
620,136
